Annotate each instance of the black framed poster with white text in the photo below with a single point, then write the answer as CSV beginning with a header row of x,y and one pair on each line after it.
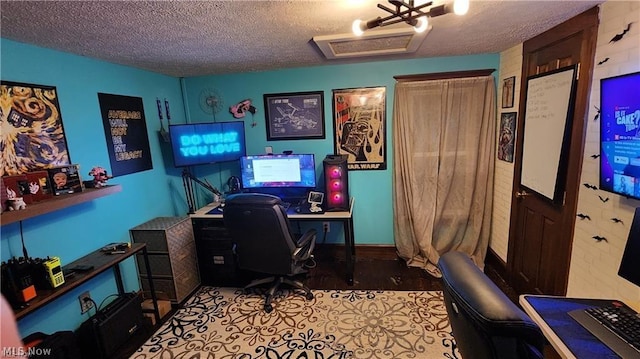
x,y
125,130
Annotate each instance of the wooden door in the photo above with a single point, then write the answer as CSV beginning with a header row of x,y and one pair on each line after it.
x,y
541,232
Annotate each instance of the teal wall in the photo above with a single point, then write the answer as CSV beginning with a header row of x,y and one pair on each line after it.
x,y
76,231
371,189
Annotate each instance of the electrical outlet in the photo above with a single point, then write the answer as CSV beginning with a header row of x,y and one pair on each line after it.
x,y
325,227
85,302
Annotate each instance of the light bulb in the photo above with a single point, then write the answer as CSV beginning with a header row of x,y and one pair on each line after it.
x,y
357,27
460,7
422,24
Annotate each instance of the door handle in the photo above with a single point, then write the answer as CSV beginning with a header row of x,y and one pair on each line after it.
x,y
522,194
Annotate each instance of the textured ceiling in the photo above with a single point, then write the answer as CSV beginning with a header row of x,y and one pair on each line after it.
x,y
191,38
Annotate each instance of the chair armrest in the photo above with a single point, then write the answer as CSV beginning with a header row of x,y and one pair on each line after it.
x,y
486,308
305,244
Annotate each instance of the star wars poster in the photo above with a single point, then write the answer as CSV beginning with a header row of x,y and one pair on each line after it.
x,y
359,127
32,136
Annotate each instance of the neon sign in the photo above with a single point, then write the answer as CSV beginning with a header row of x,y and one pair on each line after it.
x,y
202,143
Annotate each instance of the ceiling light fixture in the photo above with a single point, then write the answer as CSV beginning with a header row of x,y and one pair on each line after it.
x,y
410,13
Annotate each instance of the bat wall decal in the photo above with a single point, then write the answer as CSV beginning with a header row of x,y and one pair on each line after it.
x,y
597,116
619,36
590,186
595,156
617,220
599,238
603,61
583,216
603,199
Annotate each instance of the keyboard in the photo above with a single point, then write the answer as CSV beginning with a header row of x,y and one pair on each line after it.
x,y
617,326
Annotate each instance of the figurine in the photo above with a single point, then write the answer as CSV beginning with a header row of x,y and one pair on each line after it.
x,y
14,203
100,176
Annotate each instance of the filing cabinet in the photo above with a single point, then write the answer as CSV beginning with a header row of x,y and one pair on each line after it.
x,y
172,257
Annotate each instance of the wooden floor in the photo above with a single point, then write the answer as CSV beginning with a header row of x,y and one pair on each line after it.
x,y
375,269
381,269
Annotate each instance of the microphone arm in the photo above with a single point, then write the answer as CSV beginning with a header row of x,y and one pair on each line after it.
x,y
187,179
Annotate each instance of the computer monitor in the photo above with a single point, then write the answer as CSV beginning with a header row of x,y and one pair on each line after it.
x,y
269,173
629,267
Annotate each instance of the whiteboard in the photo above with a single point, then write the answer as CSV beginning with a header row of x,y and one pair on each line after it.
x,y
547,113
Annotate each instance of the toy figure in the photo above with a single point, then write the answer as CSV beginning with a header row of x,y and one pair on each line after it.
x,y
100,176
14,202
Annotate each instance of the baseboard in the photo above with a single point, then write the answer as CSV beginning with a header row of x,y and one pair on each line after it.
x,y
496,263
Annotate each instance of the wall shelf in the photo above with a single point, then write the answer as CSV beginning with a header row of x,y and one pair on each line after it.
x,y
56,203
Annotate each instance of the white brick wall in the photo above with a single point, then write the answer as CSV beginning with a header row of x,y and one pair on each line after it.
x,y
510,65
594,265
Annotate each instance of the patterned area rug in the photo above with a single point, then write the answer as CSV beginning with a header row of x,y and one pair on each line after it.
x,y
225,323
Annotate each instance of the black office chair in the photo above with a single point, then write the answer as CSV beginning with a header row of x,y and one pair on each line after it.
x,y
265,243
485,322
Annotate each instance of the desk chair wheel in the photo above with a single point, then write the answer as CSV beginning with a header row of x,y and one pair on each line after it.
x,y
309,296
268,308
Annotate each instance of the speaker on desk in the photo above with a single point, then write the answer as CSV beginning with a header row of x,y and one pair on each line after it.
x,y
336,179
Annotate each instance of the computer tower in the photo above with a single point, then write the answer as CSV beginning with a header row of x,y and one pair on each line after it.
x,y
105,332
336,179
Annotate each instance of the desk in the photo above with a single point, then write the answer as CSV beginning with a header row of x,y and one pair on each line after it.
x,y
568,338
100,262
345,217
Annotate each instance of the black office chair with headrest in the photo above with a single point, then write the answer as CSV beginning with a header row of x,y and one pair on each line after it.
x,y
485,322
265,243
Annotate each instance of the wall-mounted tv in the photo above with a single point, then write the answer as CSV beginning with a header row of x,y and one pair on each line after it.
x,y
205,143
620,135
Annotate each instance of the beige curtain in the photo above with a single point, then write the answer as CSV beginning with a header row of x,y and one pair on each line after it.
x,y
444,154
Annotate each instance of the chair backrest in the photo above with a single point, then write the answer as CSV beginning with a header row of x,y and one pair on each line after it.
x,y
484,321
261,231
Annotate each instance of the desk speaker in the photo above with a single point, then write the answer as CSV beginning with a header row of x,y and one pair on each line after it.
x,y
336,179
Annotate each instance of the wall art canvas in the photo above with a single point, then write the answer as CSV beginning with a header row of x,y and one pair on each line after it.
x,y
507,136
32,136
359,127
125,130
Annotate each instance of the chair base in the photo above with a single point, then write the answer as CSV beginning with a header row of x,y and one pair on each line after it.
x,y
276,282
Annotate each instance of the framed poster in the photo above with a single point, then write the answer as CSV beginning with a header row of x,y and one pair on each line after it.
x,y
125,130
508,91
294,115
359,127
33,136
507,136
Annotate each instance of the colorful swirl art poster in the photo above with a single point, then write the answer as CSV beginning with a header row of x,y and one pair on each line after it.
x,y
359,127
32,137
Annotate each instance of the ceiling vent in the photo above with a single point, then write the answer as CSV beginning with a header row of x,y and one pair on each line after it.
x,y
371,43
